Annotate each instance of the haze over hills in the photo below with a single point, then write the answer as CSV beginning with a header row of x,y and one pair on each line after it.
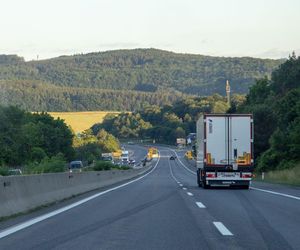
x,y
123,79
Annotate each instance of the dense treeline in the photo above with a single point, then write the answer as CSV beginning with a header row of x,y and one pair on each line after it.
x,y
38,143
165,124
89,146
36,96
147,70
27,137
275,104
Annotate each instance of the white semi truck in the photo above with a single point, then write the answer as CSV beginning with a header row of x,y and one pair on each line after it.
x,y
225,150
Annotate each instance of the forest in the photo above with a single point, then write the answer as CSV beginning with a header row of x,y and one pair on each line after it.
x,y
123,80
165,124
27,137
38,143
275,104
36,96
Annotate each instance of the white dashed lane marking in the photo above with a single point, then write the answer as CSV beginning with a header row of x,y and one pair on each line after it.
x,y
222,229
200,205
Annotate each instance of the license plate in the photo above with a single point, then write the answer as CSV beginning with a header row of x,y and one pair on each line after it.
x,y
228,174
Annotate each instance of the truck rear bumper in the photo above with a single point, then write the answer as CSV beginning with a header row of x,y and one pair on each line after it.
x,y
227,183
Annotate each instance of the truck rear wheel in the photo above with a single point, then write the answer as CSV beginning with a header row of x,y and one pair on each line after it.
x,y
204,185
198,178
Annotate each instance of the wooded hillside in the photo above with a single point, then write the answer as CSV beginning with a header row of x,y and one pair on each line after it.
x,y
123,79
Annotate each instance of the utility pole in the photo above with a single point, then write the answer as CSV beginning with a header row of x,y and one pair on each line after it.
x,y
228,92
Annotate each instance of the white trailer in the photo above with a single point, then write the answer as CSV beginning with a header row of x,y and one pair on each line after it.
x,y
225,150
125,156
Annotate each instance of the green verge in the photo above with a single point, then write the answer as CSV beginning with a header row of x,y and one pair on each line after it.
x,y
286,176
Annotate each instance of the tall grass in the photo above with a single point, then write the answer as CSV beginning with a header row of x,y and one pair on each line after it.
x,y
286,176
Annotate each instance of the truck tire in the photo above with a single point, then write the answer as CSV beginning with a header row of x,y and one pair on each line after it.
x,y
198,178
245,186
204,185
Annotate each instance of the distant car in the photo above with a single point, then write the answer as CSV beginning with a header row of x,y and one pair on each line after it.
x,y
131,162
124,162
75,166
15,171
130,143
107,158
173,157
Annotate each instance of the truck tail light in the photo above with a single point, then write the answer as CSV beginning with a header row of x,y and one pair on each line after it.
x,y
247,175
210,175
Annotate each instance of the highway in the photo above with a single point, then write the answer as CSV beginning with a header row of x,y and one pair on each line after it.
x,y
166,210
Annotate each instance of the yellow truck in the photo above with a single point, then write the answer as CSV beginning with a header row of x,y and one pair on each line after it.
x,y
152,153
189,155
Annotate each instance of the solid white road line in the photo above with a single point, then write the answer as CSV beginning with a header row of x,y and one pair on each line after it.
x,y
222,229
190,194
258,189
173,174
276,193
182,163
200,205
33,221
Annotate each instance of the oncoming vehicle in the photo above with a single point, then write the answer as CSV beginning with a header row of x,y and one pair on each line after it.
x,y
75,166
173,157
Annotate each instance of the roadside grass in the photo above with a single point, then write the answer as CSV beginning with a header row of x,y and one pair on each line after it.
x,y
80,121
286,176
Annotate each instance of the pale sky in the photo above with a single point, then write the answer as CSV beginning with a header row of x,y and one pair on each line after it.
x,y
50,28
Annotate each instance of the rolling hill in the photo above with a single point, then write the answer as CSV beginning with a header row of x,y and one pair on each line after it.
x,y
123,79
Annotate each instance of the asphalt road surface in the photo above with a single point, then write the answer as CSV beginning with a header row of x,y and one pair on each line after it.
x,y
166,210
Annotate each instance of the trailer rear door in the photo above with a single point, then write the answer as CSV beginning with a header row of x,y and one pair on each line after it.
x,y
240,139
216,140
228,140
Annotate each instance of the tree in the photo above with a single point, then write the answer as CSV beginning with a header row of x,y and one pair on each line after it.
x,y
107,141
275,104
29,137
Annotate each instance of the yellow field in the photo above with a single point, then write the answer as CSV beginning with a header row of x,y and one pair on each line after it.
x,y
80,121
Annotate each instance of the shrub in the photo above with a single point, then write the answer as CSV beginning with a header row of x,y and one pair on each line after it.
x,y
4,171
54,164
124,168
88,152
103,165
37,154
